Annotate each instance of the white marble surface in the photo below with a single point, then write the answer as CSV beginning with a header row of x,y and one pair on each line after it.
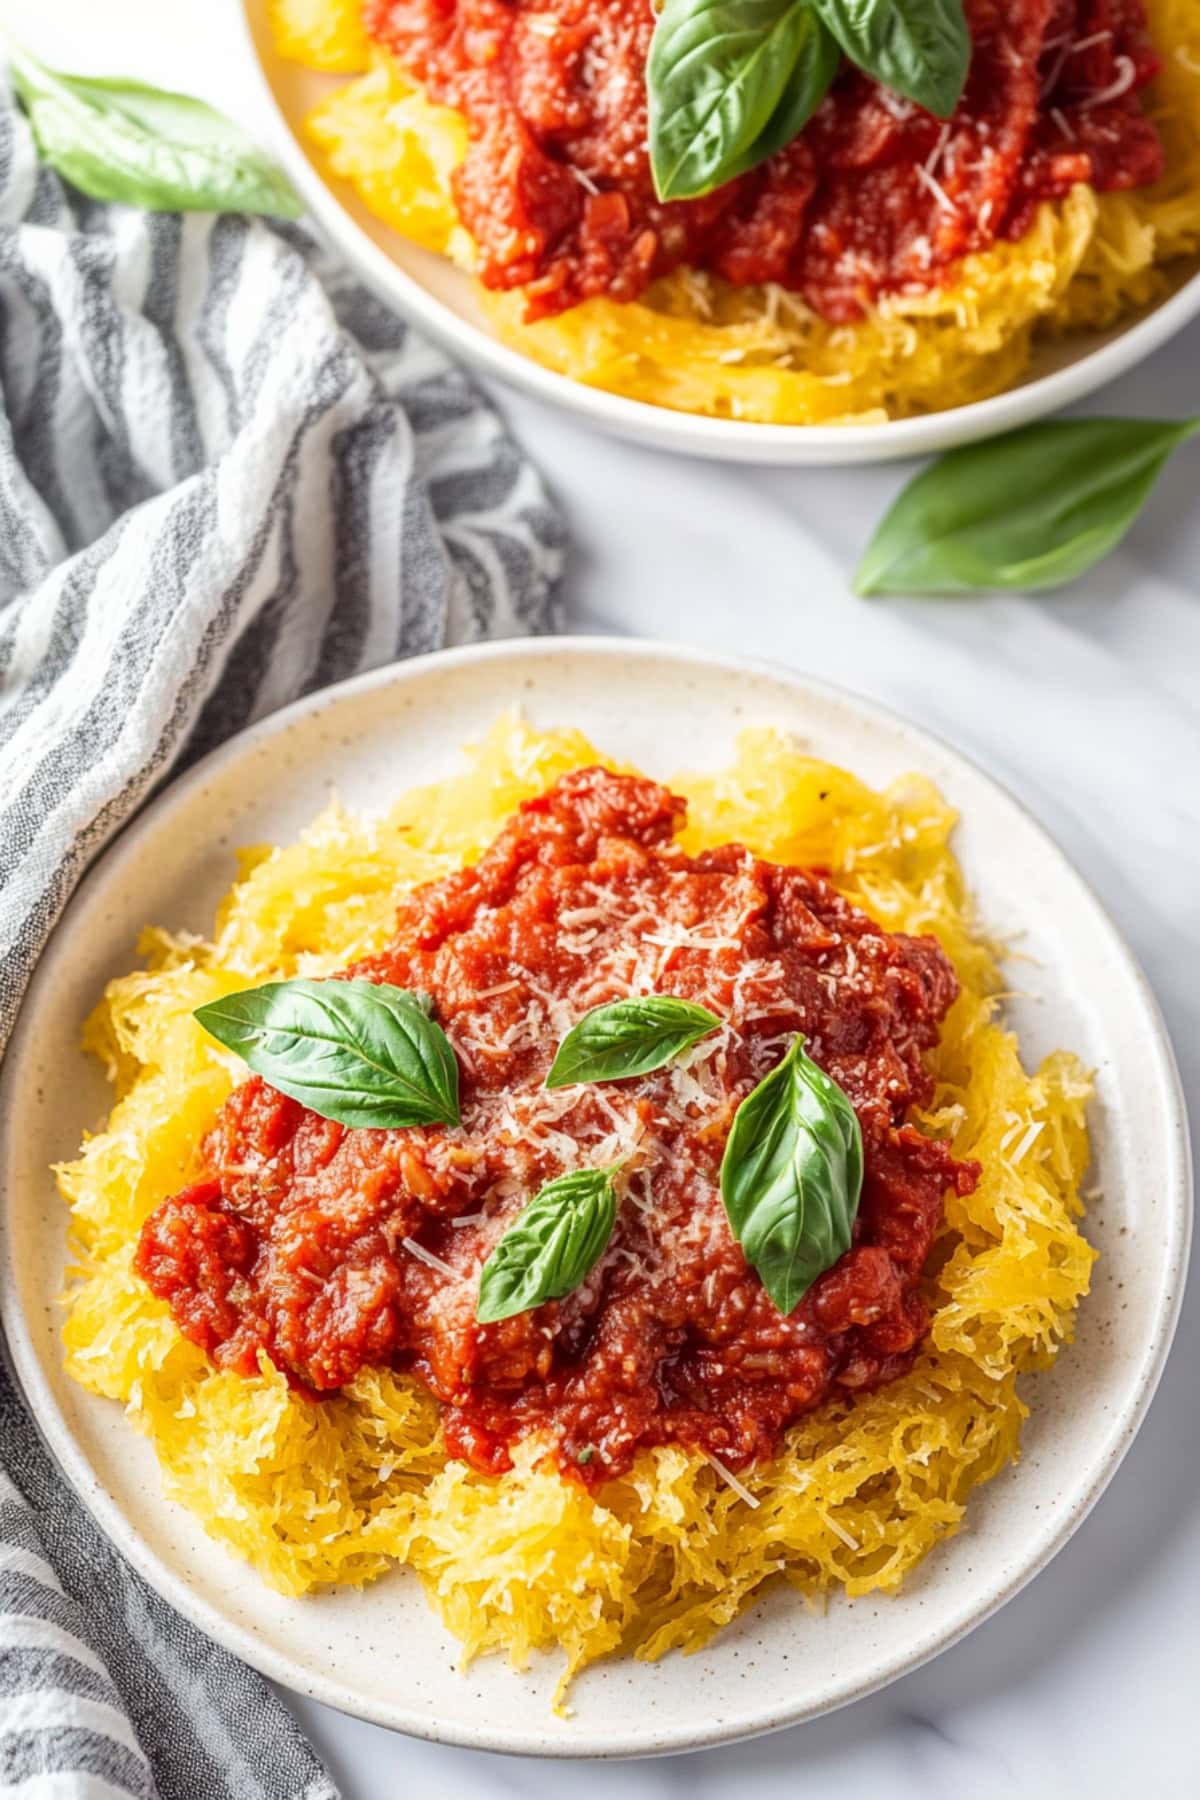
x,y
1088,706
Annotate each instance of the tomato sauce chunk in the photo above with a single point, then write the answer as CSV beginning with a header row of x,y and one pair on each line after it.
x,y
332,1249
876,196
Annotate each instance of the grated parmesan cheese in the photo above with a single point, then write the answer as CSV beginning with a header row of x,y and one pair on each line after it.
x,y
428,1258
839,1531
1121,83
1032,1133
731,1480
936,189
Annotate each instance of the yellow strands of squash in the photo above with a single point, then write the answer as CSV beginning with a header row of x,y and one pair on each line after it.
x,y
341,1491
398,151
322,34
696,344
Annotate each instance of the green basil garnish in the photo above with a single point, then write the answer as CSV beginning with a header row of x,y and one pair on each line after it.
x,y
629,1037
1032,509
918,48
730,82
120,140
811,79
360,1052
792,1175
551,1247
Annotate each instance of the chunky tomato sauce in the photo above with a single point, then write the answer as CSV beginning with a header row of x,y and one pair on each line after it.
x,y
333,1248
874,197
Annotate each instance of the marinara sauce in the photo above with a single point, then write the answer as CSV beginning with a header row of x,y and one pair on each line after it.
x,y
876,196
332,1249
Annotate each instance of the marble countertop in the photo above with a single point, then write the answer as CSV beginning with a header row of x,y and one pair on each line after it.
x,y
1087,705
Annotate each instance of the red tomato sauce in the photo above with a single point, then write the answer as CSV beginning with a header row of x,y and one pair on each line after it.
x,y
299,1239
874,197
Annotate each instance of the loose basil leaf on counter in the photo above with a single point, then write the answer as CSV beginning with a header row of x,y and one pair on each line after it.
x,y
792,1175
729,82
918,48
1032,509
552,1246
360,1052
629,1037
120,140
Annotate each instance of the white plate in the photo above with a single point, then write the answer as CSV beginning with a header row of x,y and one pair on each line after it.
x,y
442,301
381,1654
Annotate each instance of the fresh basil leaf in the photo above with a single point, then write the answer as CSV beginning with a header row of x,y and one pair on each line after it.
x,y
120,140
728,83
629,1037
1032,509
792,1175
811,79
551,1247
918,48
360,1052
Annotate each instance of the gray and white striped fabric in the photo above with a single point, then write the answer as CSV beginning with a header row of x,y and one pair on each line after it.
x,y
227,477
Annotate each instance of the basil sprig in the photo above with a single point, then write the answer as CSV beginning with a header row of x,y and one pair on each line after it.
x,y
792,1175
1032,509
629,1037
730,82
918,48
552,1246
121,140
360,1052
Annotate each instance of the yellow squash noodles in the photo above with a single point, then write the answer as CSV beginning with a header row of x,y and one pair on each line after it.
x,y
697,344
341,1490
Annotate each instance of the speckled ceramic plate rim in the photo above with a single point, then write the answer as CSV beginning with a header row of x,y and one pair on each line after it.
x,y
692,434
662,1738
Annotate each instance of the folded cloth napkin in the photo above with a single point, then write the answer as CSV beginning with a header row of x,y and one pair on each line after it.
x,y
227,477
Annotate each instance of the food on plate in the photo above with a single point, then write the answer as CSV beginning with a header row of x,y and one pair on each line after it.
x,y
638,1199
825,250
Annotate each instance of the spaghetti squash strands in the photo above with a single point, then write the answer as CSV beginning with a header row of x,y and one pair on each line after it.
x,y
696,344
343,1490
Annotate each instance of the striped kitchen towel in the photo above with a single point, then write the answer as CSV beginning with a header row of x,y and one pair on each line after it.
x,y
227,477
